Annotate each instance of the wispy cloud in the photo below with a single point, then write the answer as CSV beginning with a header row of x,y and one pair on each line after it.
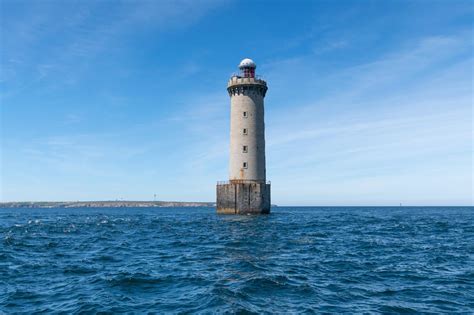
x,y
62,45
392,126
396,117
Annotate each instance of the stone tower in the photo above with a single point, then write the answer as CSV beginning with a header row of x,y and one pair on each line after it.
x,y
247,191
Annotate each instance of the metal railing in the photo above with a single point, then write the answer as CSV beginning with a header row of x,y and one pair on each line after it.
x,y
240,76
243,181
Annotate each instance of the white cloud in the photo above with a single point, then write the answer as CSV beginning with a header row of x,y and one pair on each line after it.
x,y
396,129
376,131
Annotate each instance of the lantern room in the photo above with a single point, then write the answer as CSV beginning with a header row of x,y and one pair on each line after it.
x,y
247,68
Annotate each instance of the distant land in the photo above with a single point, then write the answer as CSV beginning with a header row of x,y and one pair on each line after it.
x,y
104,204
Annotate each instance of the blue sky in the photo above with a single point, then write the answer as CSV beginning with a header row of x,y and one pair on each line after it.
x,y
369,102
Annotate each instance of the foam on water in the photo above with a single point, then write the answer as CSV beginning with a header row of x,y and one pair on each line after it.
x,y
192,260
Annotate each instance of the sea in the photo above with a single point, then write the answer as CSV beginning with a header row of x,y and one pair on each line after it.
x,y
191,260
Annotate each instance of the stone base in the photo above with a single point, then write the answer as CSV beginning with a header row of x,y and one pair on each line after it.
x,y
243,198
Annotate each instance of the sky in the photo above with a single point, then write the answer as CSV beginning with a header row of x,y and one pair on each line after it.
x,y
369,102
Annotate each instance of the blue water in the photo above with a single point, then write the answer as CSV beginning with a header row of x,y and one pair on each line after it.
x,y
174,260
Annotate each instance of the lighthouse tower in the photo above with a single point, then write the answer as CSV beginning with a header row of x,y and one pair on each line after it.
x,y
247,190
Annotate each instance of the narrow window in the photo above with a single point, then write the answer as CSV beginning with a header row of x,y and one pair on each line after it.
x,y
244,165
244,131
245,114
245,149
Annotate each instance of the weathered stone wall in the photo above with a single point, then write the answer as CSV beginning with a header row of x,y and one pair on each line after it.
x,y
247,130
243,198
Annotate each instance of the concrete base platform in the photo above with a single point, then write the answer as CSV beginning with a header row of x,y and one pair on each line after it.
x,y
243,198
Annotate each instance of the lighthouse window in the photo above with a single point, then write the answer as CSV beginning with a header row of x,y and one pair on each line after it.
x,y
245,114
245,149
245,131
244,165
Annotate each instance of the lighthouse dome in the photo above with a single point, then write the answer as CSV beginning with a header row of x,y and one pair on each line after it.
x,y
247,63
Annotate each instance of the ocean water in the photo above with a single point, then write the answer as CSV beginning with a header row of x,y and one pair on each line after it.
x,y
190,260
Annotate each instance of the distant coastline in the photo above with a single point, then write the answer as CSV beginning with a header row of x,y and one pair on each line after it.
x,y
104,204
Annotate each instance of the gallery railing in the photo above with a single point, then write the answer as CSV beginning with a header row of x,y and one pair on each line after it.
x,y
243,181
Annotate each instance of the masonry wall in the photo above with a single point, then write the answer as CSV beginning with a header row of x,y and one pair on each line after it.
x,y
243,198
247,113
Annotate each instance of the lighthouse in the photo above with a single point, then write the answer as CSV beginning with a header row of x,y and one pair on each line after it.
x,y
247,191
